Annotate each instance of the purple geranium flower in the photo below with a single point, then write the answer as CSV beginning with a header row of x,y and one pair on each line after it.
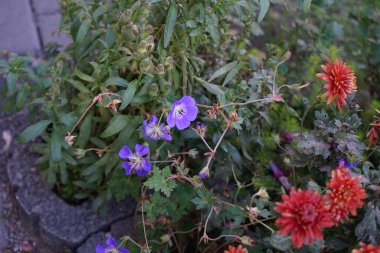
x,y
279,175
136,161
183,111
155,132
111,247
347,164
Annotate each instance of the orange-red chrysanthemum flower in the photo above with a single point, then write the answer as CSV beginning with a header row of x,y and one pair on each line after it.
x,y
304,214
346,194
367,248
341,81
232,249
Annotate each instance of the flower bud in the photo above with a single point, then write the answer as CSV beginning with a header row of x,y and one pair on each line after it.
x,y
204,173
80,153
169,62
201,129
149,29
150,43
165,238
247,241
160,69
143,47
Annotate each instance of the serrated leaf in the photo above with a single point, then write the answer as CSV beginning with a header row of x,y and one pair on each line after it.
x,y
223,70
170,24
33,131
118,123
158,181
264,7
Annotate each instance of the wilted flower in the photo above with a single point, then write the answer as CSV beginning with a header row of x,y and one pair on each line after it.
x,y
183,111
346,194
69,139
155,132
253,211
232,249
205,172
341,82
111,247
136,161
367,248
112,105
263,194
193,153
304,215
373,134
279,175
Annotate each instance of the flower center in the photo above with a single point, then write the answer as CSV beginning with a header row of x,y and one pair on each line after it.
x,y
179,111
308,214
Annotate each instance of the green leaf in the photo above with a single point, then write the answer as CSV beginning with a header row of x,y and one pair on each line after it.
x,y
231,74
56,145
170,24
212,28
118,81
264,7
79,86
84,76
33,131
306,5
128,95
158,181
223,70
213,88
118,123
11,83
82,31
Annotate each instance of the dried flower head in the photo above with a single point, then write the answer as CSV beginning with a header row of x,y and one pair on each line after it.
x,y
341,81
69,139
112,105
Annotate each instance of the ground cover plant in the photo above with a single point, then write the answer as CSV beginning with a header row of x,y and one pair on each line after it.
x,y
230,142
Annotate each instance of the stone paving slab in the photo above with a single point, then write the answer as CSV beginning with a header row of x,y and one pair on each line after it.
x,y
17,27
45,6
3,230
48,25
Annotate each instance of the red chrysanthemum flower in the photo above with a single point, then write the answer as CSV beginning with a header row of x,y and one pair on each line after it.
x,y
304,214
367,248
346,194
232,249
373,134
341,81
